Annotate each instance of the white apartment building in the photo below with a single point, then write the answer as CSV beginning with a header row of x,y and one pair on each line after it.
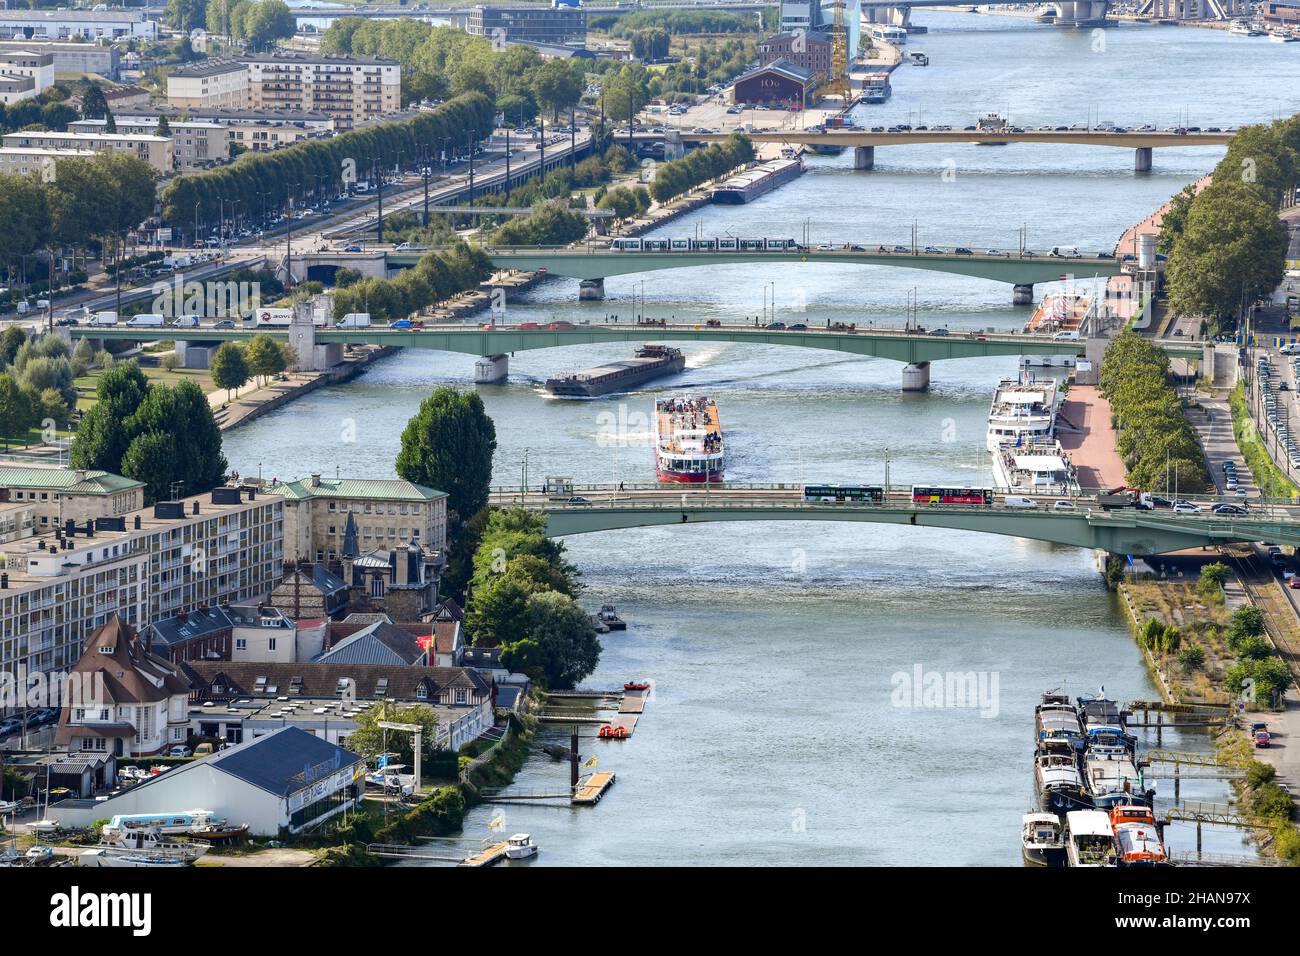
x,y
24,74
24,160
155,150
195,143
56,588
211,84
350,89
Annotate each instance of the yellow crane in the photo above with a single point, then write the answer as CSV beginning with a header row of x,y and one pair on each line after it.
x,y
838,83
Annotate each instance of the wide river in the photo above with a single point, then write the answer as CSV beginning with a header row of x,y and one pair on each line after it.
x,y
774,735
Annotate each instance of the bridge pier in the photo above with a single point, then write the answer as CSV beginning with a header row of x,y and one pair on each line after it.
x,y
864,157
916,376
591,290
491,369
1022,294
1142,159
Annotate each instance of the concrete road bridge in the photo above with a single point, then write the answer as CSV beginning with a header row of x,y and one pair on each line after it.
x,y
864,141
494,343
592,265
1124,531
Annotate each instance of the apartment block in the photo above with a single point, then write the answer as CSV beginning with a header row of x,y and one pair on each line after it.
x,y
349,89
213,83
70,57
58,587
25,160
258,130
155,150
535,24
63,24
56,495
24,73
195,143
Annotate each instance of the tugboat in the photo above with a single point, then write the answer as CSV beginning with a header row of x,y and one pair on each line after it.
x,y
1042,839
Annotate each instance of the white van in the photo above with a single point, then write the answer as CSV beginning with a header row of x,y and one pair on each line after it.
x,y
1069,336
1019,501
355,320
1066,252
186,322
146,320
104,318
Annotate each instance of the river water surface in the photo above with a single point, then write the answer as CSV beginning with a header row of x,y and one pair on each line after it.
x,y
776,733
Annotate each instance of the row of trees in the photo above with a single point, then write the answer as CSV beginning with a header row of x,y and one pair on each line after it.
x,y
1226,245
438,275
267,180
1156,441
699,166
1256,660
76,202
37,381
157,434
674,22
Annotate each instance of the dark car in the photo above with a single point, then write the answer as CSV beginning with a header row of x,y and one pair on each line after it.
x,y
224,324
1230,510
1159,502
938,332
775,325
798,327
963,251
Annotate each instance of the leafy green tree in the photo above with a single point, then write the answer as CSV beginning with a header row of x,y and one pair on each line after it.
x,y
498,612
1174,219
11,340
16,412
368,739
1246,621
229,368
185,15
565,636
93,103
448,445
1231,252
264,356
557,86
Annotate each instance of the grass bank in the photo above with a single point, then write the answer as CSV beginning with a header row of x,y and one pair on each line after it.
x,y
1268,478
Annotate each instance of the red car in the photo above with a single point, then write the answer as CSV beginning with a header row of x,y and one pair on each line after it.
x,y
1294,582
527,325
1262,738
560,325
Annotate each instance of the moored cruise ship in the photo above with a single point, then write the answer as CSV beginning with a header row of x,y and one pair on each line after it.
x,y
688,440
1021,437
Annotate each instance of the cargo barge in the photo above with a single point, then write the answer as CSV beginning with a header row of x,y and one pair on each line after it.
x,y
650,362
751,184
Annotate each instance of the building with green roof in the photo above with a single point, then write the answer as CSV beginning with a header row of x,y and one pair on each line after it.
x,y
57,495
387,513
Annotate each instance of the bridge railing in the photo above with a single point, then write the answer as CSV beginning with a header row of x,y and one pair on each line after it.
x,y
1263,517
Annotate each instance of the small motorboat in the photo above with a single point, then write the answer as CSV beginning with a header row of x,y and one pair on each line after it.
x,y
152,843
214,833
39,855
1042,839
45,826
521,846
637,685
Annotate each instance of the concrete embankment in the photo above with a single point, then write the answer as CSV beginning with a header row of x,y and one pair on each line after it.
x,y
257,403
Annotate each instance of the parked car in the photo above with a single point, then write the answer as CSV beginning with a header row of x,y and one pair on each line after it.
x,y
579,500
180,751
1262,739
1186,508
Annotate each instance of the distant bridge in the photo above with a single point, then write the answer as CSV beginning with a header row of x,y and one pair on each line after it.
x,y
495,342
593,266
1125,531
865,141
